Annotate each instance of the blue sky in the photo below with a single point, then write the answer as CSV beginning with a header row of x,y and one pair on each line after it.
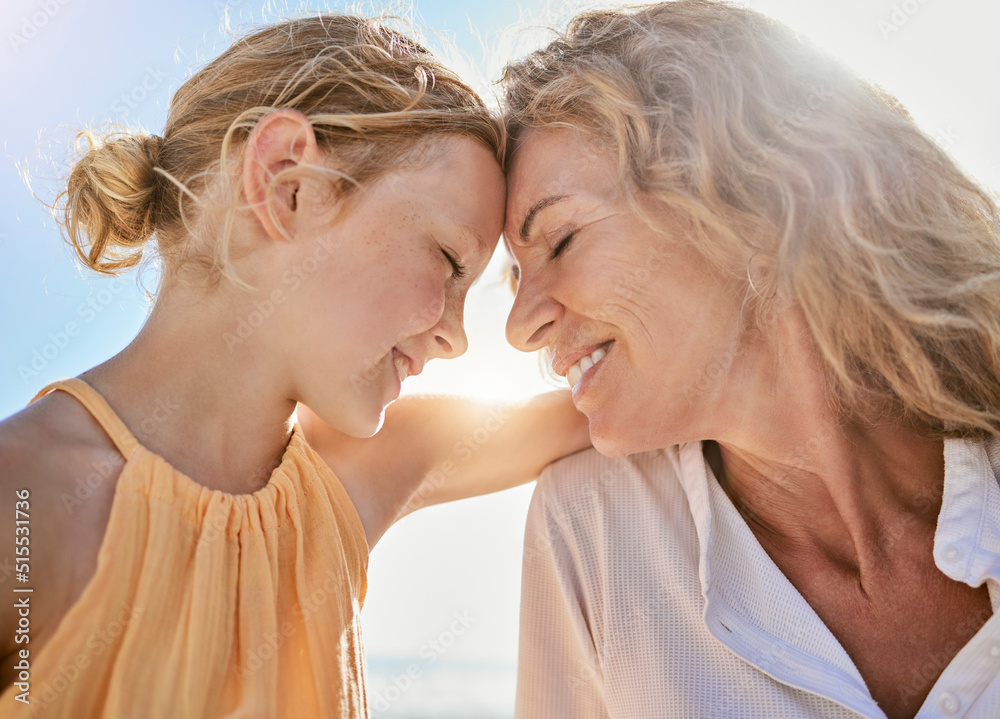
x,y
69,63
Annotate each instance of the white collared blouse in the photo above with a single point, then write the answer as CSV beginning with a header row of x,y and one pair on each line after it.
x,y
645,595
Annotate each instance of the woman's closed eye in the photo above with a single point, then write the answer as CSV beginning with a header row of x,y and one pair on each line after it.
x,y
563,244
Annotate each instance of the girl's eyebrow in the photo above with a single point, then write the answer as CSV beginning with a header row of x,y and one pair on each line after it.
x,y
529,218
466,233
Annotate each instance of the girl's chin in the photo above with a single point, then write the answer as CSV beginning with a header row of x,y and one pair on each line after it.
x,y
363,424
376,425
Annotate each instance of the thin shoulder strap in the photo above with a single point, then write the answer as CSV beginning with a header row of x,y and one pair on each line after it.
x,y
100,409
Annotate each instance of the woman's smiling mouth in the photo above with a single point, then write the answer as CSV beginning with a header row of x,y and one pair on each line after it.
x,y
575,373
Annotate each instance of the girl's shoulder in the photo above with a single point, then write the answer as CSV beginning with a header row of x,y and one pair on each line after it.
x,y
50,444
58,472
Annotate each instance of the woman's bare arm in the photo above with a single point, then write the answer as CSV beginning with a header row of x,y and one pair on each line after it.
x,y
435,449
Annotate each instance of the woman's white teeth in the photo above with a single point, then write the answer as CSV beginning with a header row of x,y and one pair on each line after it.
x,y
576,372
401,367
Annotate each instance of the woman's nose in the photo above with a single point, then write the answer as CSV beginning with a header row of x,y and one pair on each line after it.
x,y
532,318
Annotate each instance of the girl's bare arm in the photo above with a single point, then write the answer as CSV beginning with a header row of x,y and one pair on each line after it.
x,y
435,449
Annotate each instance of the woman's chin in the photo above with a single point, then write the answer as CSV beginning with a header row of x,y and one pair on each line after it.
x,y
622,438
610,443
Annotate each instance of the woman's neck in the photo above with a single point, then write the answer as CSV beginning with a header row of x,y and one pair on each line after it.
x,y
845,502
214,408
810,483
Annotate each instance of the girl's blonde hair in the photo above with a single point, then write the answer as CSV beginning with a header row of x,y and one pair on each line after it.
x,y
804,183
372,95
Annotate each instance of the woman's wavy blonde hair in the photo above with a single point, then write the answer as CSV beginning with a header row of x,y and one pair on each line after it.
x,y
785,159
373,97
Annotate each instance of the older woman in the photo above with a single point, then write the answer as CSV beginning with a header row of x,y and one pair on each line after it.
x,y
779,302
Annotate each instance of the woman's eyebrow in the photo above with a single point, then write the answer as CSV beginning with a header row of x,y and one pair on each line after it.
x,y
529,218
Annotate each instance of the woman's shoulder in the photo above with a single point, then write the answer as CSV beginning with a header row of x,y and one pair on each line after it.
x,y
590,481
588,509
58,472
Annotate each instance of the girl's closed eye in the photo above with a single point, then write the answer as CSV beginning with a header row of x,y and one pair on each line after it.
x,y
458,271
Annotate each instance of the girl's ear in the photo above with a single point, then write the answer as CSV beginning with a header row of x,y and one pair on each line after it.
x,y
282,140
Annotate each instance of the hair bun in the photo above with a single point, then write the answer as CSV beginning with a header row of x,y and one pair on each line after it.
x,y
153,145
108,208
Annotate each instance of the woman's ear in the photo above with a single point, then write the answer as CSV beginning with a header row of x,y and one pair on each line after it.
x,y
282,140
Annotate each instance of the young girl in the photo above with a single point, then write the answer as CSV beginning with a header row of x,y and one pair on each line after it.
x,y
323,196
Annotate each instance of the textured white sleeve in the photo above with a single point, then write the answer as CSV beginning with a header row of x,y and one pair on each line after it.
x,y
559,674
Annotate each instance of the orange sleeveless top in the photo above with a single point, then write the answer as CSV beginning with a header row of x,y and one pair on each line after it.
x,y
208,604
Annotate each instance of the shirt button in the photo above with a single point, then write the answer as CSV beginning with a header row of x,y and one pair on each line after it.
x,y
948,703
995,651
953,554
